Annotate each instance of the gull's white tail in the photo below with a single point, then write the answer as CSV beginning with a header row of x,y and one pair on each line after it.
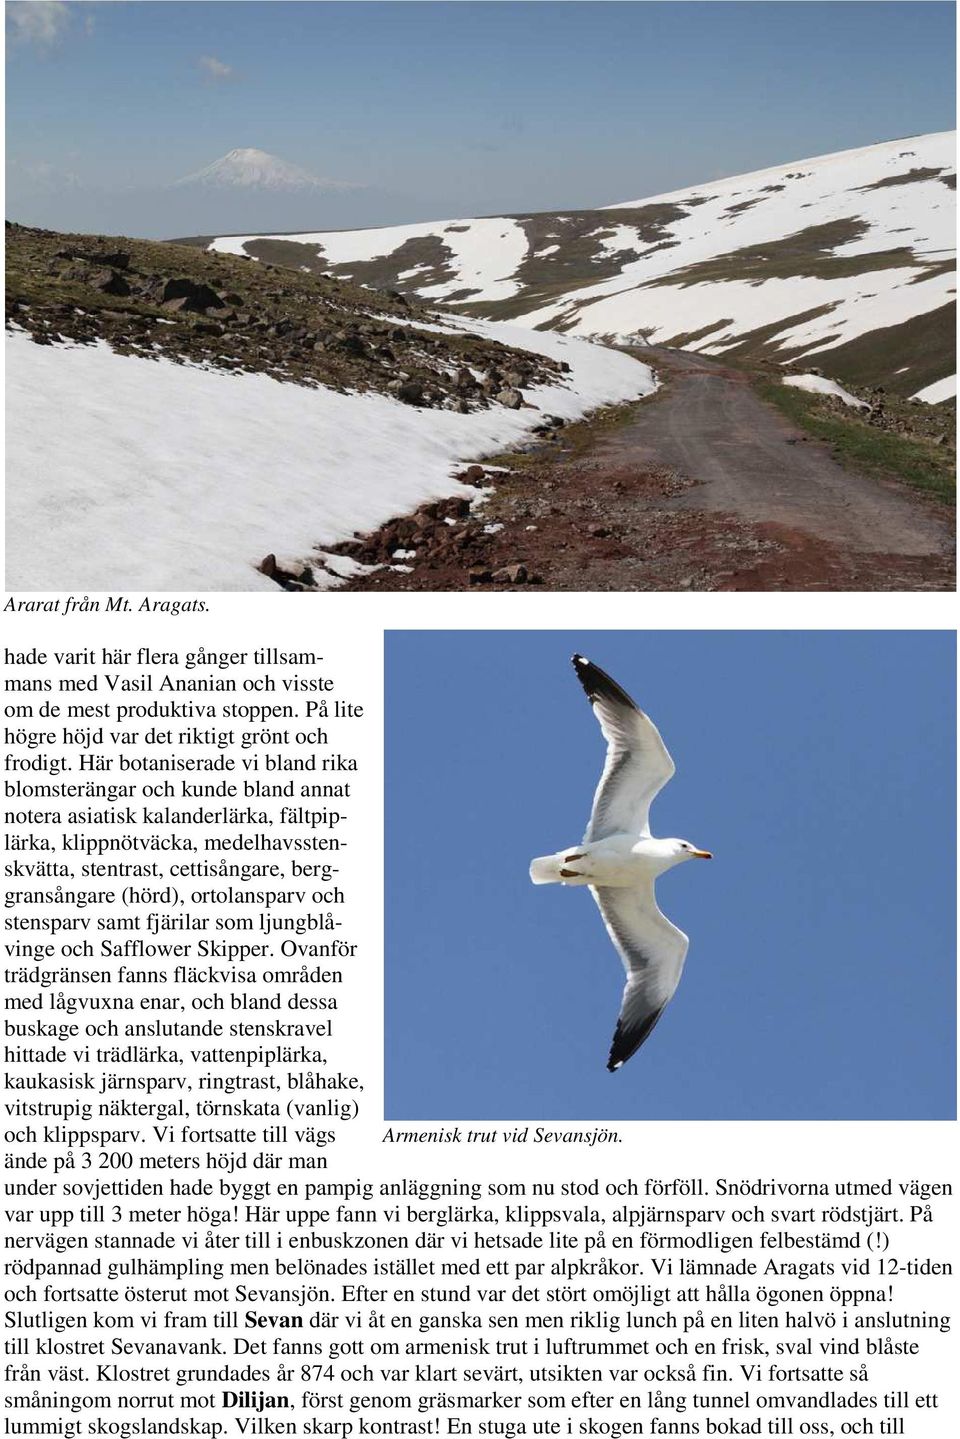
x,y
545,870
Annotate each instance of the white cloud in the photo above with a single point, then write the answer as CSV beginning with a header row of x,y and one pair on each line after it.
x,y
214,69
37,22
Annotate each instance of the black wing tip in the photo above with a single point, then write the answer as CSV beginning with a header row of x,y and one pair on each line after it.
x,y
627,1042
597,683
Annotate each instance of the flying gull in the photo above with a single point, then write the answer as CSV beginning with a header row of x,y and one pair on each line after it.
x,y
620,860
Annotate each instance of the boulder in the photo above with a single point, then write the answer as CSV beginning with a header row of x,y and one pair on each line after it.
x,y
351,343
510,399
108,282
112,259
410,392
192,295
454,507
512,574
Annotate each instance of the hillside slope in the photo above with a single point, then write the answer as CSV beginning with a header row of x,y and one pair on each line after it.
x,y
847,258
174,417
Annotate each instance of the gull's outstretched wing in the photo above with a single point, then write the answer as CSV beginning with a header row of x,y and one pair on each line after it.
x,y
637,765
652,950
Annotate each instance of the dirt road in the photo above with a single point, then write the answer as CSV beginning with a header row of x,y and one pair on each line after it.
x,y
704,486
751,462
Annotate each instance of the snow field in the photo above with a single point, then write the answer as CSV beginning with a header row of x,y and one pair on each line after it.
x,y
125,473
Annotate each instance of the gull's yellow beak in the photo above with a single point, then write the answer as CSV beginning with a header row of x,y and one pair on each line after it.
x,y
702,854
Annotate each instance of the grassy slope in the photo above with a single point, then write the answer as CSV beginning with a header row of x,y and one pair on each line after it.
x,y
912,458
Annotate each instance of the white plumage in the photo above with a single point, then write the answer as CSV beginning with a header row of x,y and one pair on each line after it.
x,y
620,860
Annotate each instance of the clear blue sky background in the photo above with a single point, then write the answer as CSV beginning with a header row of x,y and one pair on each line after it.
x,y
819,769
445,109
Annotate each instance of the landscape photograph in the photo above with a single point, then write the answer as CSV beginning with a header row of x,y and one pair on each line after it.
x,y
481,296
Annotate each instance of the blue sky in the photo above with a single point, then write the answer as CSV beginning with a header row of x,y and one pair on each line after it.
x,y
449,108
818,768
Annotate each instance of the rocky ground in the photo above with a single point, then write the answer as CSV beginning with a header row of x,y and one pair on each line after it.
x,y
887,411
585,512
239,314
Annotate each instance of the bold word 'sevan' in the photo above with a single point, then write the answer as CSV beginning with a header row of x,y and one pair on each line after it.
x,y
620,860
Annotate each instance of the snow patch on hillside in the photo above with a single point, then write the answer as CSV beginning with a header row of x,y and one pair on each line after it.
x,y
750,211
939,391
485,252
820,385
851,306
125,473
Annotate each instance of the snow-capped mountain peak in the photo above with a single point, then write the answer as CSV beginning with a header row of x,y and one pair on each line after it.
x,y
256,169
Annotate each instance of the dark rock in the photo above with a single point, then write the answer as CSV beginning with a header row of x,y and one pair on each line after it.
x,y
351,344
193,294
410,392
474,475
479,576
512,574
268,566
108,282
113,259
455,507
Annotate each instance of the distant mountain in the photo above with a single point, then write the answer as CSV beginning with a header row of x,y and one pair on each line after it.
x,y
255,169
846,259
